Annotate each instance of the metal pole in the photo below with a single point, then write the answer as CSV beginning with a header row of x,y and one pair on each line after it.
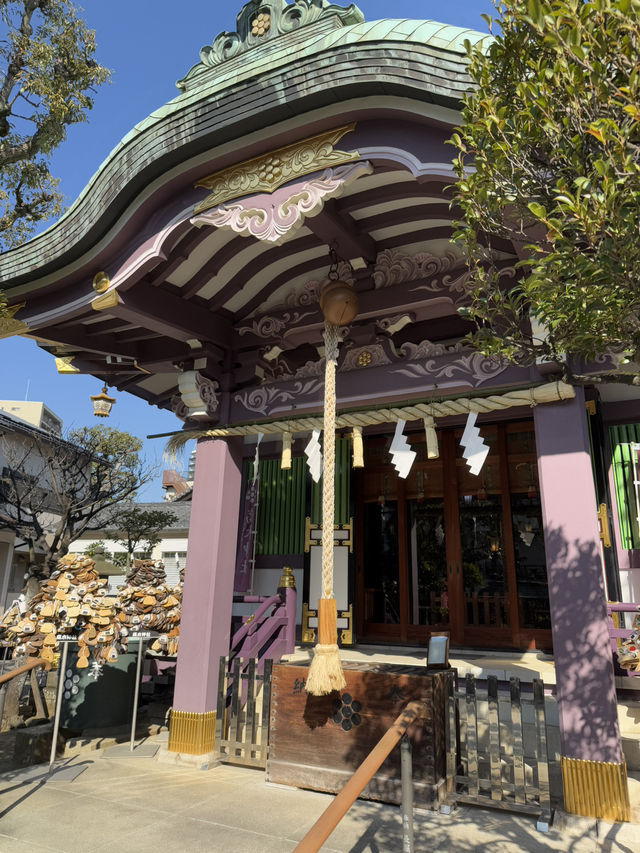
x,y
62,674
136,694
3,693
407,794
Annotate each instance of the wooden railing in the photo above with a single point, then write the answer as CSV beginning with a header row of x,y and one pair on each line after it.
x,y
343,801
487,763
30,665
270,631
242,715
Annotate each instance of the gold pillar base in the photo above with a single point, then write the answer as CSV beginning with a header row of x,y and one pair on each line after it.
x,y
595,789
192,733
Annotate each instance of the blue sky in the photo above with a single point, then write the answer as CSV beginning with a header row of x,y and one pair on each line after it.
x,y
148,45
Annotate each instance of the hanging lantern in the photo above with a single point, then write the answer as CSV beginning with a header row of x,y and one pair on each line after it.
x,y
102,403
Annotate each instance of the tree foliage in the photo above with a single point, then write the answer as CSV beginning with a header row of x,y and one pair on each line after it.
x,y
552,131
135,527
54,489
47,81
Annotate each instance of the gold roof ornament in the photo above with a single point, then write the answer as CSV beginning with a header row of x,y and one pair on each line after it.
x,y
272,170
64,364
101,282
9,326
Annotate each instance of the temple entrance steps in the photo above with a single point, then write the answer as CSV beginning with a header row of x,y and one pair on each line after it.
x,y
480,663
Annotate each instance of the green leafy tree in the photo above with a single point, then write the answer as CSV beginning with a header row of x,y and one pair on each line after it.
x,y
137,528
551,129
98,549
47,82
53,490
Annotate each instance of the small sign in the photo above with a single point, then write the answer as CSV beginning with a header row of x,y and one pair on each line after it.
x,y
438,653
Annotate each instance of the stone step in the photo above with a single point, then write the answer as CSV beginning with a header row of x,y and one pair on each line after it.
x,y
629,723
94,739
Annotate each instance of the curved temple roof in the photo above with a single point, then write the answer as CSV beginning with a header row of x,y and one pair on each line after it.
x,y
332,29
306,129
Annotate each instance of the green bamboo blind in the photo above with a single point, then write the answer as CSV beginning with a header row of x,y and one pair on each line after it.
x,y
621,438
281,505
342,511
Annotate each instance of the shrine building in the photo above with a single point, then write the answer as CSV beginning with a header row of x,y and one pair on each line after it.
x,y
306,146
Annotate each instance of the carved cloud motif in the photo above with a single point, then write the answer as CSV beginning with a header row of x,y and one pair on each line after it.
x,y
278,217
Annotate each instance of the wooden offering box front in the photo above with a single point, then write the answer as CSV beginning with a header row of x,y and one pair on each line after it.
x,y
318,742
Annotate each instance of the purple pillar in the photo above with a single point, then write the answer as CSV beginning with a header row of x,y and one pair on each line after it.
x,y
582,651
208,593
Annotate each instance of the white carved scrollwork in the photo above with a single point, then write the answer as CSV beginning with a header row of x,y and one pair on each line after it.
x,y
475,368
273,218
261,400
198,399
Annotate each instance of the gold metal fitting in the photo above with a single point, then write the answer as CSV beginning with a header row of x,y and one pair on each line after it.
x,y
261,24
287,580
101,282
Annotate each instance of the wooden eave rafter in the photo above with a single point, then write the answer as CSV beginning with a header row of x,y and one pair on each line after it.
x,y
170,316
340,231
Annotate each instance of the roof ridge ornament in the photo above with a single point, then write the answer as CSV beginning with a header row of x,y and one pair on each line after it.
x,y
262,20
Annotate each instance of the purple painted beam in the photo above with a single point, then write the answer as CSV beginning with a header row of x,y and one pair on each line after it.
x,y
582,652
339,230
154,308
205,627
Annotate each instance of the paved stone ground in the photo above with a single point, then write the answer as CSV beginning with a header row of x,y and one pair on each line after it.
x,y
123,803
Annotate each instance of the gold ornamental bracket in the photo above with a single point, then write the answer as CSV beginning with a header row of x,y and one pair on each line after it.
x,y
64,364
268,172
9,326
343,535
603,525
308,631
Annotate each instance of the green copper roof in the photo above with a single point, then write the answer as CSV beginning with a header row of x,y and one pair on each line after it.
x,y
202,81
328,34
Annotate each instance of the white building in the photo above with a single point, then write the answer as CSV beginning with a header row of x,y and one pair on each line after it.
x,y
20,422
171,549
